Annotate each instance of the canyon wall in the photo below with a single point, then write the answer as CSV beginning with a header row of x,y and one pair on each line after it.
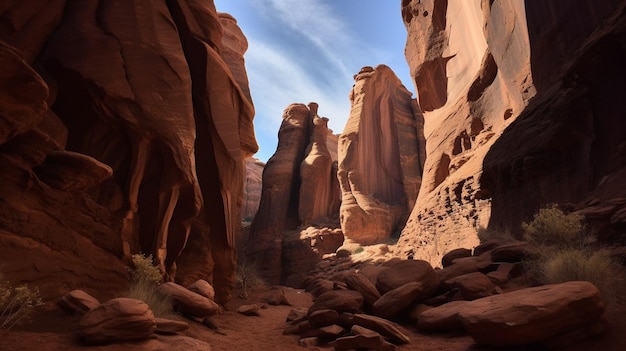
x,y
520,101
139,123
299,187
381,157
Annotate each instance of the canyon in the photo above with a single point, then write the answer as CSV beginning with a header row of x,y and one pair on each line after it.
x,y
127,128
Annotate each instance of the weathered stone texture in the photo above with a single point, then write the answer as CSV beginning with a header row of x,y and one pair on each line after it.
x,y
508,113
381,155
125,160
299,188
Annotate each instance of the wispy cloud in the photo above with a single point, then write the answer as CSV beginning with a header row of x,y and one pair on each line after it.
x,y
277,80
315,21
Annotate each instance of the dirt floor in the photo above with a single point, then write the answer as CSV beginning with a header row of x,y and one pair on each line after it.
x,y
53,330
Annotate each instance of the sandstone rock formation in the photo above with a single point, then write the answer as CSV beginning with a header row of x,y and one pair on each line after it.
x,y
299,187
252,188
513,121
135,142
381,156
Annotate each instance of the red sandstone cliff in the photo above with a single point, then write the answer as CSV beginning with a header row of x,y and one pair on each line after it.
x,y
522,103
299,187
139,121
381,156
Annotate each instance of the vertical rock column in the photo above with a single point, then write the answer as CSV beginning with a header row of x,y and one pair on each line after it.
x,y
281,182
380,157
223,115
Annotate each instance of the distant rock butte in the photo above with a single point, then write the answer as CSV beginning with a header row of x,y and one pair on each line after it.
x,y
513,121
299,187
381,156
151,102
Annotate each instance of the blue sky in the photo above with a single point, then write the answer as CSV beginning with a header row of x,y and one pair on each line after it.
x,y
308,50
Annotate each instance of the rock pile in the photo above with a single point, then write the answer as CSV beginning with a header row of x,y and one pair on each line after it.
x,y
482,291
123,319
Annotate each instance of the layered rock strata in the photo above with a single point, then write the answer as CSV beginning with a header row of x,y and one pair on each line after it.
x,y
381,157
147,102
513,121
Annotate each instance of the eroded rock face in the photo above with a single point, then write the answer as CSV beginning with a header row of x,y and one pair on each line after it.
x,y
299,188
252,188
493,156
119,83
381,155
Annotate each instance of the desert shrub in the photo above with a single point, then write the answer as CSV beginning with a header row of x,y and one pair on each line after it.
x,y
17,304
144,280
491,234
570,264
552,227
144,269
248,276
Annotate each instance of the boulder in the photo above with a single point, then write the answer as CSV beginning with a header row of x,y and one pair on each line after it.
x,y
505,271
250,310
473,286
189,302
442,318
535,314
328,332
360,283
461,266
386,328
322,318
297,314
203,288
116,320
338,300
394,301
276,296
407,271
77,301
449,258
170,326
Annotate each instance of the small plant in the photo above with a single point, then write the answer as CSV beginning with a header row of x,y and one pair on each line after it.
x,y
144,269
144,280
248,276
595,266
17,304
552,227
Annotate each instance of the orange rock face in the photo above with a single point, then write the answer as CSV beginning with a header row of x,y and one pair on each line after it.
x,y
499,98
381,155
164,169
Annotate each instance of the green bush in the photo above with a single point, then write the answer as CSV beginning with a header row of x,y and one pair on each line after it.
x,y
17,304
144,280
552,227
144,269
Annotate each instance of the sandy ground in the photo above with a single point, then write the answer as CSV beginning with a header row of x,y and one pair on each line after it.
x,y
52,330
